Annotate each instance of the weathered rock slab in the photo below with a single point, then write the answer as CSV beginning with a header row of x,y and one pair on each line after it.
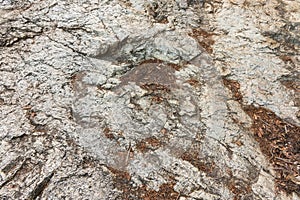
x,y
149,99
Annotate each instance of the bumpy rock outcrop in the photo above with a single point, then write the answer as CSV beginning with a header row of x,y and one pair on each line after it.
x,y
130,99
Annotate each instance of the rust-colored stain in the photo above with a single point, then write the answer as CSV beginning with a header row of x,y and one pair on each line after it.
x,y
76,80
279,140
164,131
204,38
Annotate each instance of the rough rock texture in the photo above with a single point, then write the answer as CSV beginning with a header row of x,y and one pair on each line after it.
x,y
131,99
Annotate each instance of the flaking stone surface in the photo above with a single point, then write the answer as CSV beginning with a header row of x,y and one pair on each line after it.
x,y
131,99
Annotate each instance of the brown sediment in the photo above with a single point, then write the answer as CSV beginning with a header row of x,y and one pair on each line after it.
x,y
204,166
157,99
278,139
192,155
122,182
108,134
157,61
290,84
30,115
151,73
166,191
177,67
147,144
193,82
153,61
203,38
239,188
280,142
234,87
286,59
155,87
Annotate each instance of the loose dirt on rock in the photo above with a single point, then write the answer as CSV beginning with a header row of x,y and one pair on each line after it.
x,y
278,140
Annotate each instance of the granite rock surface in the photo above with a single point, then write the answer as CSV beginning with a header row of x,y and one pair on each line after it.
x,y
131,99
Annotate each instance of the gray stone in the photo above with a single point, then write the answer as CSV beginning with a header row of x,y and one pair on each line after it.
x,y
121,99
